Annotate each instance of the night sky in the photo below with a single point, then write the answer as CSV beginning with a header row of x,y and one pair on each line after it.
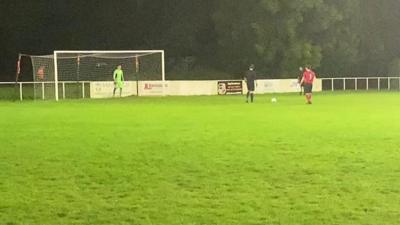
x,y
341,37
42,26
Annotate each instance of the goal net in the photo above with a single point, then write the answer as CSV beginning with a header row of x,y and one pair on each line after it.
x,y
82,74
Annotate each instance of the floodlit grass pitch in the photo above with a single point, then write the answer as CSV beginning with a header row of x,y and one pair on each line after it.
x,y
202,160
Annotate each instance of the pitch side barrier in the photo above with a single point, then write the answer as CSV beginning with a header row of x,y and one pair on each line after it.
x,y
206,87
104,89
44,90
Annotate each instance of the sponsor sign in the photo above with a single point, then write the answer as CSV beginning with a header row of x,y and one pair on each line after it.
x,y
149,88
230,87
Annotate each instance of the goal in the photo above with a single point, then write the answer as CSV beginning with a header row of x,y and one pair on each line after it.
x,y
82,74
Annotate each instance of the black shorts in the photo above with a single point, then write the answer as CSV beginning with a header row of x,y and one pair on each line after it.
x,y
307,88
250,86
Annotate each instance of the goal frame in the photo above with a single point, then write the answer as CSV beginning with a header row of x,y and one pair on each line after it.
x,y
55,53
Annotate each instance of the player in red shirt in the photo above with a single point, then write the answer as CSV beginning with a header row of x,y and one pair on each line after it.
x,y
307,81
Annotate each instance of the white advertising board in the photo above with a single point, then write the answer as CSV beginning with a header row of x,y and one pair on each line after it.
x,y
281,86
193,87
104,89
152,88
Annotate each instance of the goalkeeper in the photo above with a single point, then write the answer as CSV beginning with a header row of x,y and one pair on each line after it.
x,y
118,80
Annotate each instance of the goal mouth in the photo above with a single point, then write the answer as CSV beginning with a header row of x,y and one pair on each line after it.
x,y
91,67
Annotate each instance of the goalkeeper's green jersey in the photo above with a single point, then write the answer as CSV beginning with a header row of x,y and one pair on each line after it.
x,y
118,75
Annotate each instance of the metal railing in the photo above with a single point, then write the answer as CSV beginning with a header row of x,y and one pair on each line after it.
x,y
81,89
361,83
43,90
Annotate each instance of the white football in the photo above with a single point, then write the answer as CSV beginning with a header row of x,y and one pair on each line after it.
x,y
273,100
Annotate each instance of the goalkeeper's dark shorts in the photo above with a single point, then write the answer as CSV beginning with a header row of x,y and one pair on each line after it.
x,y
307,88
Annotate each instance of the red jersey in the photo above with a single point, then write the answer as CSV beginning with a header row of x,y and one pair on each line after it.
x,y
308,76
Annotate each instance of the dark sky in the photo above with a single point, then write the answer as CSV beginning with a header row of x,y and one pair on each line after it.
x,y
42,26
218,36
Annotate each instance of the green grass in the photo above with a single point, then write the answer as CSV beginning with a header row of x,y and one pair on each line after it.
x,y
202,160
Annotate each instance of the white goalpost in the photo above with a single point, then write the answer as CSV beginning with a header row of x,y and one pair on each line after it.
x,y
80,74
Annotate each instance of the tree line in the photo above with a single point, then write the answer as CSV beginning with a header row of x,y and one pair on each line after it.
x,y
335,37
